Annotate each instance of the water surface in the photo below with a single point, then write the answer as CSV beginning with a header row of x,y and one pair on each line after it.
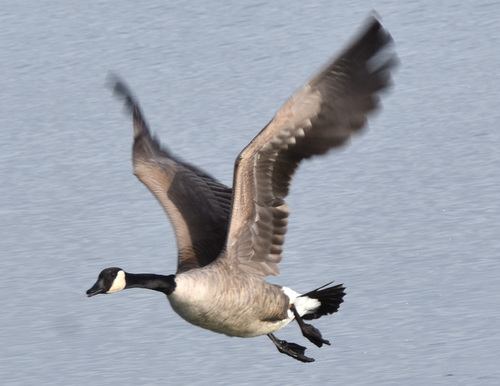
x,y
407,216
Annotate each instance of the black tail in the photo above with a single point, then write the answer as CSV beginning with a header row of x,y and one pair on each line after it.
x,y
329,297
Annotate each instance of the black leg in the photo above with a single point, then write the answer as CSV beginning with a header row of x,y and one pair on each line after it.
x,y
309,331
292,349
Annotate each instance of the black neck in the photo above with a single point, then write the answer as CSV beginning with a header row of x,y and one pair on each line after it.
x,y
165,284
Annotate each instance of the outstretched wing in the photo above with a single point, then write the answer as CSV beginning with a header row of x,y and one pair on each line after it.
x,y
198,205
321,115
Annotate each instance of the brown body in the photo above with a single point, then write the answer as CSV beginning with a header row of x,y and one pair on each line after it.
x,y
240,305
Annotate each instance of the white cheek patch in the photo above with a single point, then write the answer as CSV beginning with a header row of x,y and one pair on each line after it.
x,y
119,283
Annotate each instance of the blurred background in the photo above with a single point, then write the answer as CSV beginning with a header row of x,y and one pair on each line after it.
x,y
406,216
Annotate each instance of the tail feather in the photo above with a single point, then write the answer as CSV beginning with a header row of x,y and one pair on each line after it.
x,y
329,297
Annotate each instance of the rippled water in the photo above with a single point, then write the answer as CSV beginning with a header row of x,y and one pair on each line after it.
x,y
407,216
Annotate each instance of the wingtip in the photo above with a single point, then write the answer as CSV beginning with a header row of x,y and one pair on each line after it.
x,y
121,90
374,17
376,42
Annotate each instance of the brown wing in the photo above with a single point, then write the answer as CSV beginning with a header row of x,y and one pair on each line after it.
x,y
198,206
321,115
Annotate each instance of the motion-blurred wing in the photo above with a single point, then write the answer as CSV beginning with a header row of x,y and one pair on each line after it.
x,y
198,206
321,115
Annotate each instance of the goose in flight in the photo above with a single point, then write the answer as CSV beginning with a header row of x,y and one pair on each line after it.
x,y
230,240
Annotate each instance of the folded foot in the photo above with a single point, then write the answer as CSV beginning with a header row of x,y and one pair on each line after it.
x,y
309,331
291,349
313,334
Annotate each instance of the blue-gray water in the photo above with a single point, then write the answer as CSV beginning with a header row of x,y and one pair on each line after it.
x,y
407,216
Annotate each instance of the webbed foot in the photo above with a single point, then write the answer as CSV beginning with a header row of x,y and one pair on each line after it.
x,y
291,349
313,334
309,331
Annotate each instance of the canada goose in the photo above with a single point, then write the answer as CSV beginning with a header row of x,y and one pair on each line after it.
x,y
219,284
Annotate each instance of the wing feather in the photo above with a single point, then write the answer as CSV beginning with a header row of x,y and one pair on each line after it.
x,y
319,116
197,205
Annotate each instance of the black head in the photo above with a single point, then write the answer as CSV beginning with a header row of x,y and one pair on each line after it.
x,y
110,280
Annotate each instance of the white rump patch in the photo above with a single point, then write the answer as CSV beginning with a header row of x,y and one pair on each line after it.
x,y
303,304
119,283
290,293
